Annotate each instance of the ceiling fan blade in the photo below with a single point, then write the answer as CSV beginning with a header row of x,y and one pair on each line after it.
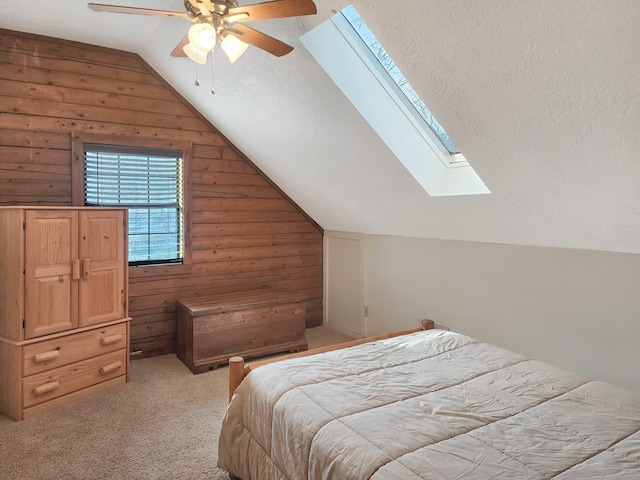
x,y
239,17
99,7
178,51
275,9
208,4
260,40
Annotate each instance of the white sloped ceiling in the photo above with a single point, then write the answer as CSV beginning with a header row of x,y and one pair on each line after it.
x,y
543,99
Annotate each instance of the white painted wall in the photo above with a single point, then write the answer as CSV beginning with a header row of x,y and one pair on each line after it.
x,y
577,309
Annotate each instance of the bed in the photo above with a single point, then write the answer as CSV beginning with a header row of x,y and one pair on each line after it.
x,y
427,405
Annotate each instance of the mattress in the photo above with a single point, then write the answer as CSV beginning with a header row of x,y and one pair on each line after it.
x,y
428,405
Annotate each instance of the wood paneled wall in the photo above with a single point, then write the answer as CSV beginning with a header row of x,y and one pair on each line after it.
x,y
246,233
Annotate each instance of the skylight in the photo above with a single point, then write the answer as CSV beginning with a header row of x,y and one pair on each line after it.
x,y
358,64
396,75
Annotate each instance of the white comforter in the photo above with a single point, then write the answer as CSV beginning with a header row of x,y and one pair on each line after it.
x,y
430,405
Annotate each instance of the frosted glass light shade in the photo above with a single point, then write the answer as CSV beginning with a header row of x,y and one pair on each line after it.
x,y
194,54
233,47
202,36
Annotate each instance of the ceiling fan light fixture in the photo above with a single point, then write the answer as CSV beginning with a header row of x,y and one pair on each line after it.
x,y
194,54
233,47
202,36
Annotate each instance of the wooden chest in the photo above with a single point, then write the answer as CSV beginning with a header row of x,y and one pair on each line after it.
x,y
250,324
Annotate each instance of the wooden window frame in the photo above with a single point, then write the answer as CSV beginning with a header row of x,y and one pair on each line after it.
x,y
77,189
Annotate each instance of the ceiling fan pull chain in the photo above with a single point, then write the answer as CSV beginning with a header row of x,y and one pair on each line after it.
x,y
197,80
213,91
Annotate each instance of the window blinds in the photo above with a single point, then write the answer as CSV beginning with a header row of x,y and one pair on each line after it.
x,y
149,183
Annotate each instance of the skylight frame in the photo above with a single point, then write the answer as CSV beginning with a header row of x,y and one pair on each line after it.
x,y
349,63
401,86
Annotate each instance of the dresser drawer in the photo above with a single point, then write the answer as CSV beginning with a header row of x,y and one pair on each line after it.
x,y
43,356
60,381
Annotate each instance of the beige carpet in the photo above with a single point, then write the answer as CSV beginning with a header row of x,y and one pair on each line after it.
x,y
163,424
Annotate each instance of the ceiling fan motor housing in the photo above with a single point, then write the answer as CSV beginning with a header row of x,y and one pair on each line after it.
x,y
220,7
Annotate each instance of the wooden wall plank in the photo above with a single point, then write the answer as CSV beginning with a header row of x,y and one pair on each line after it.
x,y
201,164
229,254
161,285
246,233
245,203
306,286
57,109
233,191
215,152
33,155
203,243
26,138
246,216
34,172
41,201
76,96
10,120
154,329
39,46
221,229
143,274
221,178
86,82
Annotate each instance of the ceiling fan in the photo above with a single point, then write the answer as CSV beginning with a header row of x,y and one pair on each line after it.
x,y
222,21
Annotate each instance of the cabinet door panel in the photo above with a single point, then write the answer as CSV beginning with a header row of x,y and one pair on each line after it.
x,y
102,252
51,293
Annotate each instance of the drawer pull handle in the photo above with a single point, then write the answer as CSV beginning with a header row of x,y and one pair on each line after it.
x,y
46,356
111,367
47,387
111,339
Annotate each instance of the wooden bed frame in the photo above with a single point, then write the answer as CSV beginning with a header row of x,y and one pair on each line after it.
x,y
238,370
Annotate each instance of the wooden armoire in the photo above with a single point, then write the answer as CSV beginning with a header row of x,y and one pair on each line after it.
x,y
64,326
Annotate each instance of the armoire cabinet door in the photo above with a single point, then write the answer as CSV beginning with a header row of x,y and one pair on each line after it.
x,y
51,293
101,254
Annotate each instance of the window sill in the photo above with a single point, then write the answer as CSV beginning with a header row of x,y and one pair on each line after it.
x,y
147,271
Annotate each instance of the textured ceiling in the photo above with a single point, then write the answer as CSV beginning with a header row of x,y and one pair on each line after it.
x,y
541,97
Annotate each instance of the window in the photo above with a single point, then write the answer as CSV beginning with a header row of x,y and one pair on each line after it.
x,y
149,181
352,57
378,51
